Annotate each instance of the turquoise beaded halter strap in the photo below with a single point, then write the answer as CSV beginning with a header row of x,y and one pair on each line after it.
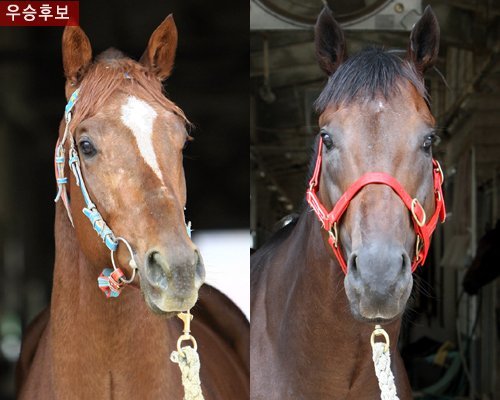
x,y
111,281
90,211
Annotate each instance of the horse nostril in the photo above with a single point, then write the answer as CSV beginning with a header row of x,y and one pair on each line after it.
x,y
353,264
156,268
405,264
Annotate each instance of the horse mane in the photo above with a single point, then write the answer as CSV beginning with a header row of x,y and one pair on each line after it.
x,y
279,236
112,71
369,73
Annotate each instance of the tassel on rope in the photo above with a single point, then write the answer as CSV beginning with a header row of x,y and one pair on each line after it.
x,y
189,361
110,282
382,364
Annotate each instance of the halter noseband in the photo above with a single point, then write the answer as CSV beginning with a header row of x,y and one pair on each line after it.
x,y
423,229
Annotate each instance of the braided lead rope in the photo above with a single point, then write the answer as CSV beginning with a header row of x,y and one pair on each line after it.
x,y
189,361
382,364
189,364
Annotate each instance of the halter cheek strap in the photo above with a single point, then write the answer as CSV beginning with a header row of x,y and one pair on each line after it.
x,y
423,227
111,281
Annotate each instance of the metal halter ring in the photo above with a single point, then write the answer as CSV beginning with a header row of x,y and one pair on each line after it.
x,y
418,247
379,331
186,337
440,170
419,222
131,263
333,233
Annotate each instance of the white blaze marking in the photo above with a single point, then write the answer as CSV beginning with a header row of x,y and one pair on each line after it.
x,y
139,117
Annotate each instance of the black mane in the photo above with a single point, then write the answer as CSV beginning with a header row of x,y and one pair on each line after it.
x,y
367,74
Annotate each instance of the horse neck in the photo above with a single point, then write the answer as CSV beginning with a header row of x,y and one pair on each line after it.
x,y
315,309
80,309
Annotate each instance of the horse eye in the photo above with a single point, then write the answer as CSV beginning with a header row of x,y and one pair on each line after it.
x,y
429,141
87,148
327,140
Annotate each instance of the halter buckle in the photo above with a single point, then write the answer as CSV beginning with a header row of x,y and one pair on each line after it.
x,y
420,222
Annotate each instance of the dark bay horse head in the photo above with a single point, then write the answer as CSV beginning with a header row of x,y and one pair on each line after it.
x,y
374,117
129,139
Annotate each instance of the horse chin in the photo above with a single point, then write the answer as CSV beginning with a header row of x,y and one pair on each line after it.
x,y
377,320
167,306
363,309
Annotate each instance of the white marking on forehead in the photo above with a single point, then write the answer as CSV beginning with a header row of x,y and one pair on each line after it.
x,y
380,105
139,117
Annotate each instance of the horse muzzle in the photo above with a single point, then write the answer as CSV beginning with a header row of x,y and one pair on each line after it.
x,y
379,282
170,283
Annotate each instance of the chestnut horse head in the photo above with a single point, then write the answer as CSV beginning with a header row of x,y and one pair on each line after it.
x,y
129,139
376,169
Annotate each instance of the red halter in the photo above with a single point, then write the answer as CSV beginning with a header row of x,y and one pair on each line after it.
x,y
331,219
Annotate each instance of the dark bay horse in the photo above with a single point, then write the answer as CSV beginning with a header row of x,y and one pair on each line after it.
x,y
123,142
311,322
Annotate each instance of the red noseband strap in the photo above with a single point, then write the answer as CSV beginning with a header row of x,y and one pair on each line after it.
x,y
423,227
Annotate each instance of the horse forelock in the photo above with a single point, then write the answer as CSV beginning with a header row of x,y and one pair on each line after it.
x,y
112,71
369,73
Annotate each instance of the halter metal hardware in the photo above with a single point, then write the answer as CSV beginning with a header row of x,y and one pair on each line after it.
x,y
420,221
186,317
333,234
379,331
418,247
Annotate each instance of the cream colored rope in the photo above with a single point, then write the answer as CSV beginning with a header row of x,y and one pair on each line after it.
x,y
382,364
188,360
189,363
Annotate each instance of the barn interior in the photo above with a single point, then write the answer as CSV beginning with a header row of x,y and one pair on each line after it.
x,y
450,338
209,82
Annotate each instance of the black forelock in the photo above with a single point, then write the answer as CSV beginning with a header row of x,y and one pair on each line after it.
x,y
367,74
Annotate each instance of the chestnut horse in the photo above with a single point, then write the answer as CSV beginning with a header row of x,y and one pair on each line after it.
x,y
311,322
124,140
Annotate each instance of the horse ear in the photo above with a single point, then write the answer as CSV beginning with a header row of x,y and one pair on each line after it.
x,y
329,41
160,53
424,41
76,54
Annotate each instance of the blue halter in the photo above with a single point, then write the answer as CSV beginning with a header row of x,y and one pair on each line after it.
x,y
90,211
